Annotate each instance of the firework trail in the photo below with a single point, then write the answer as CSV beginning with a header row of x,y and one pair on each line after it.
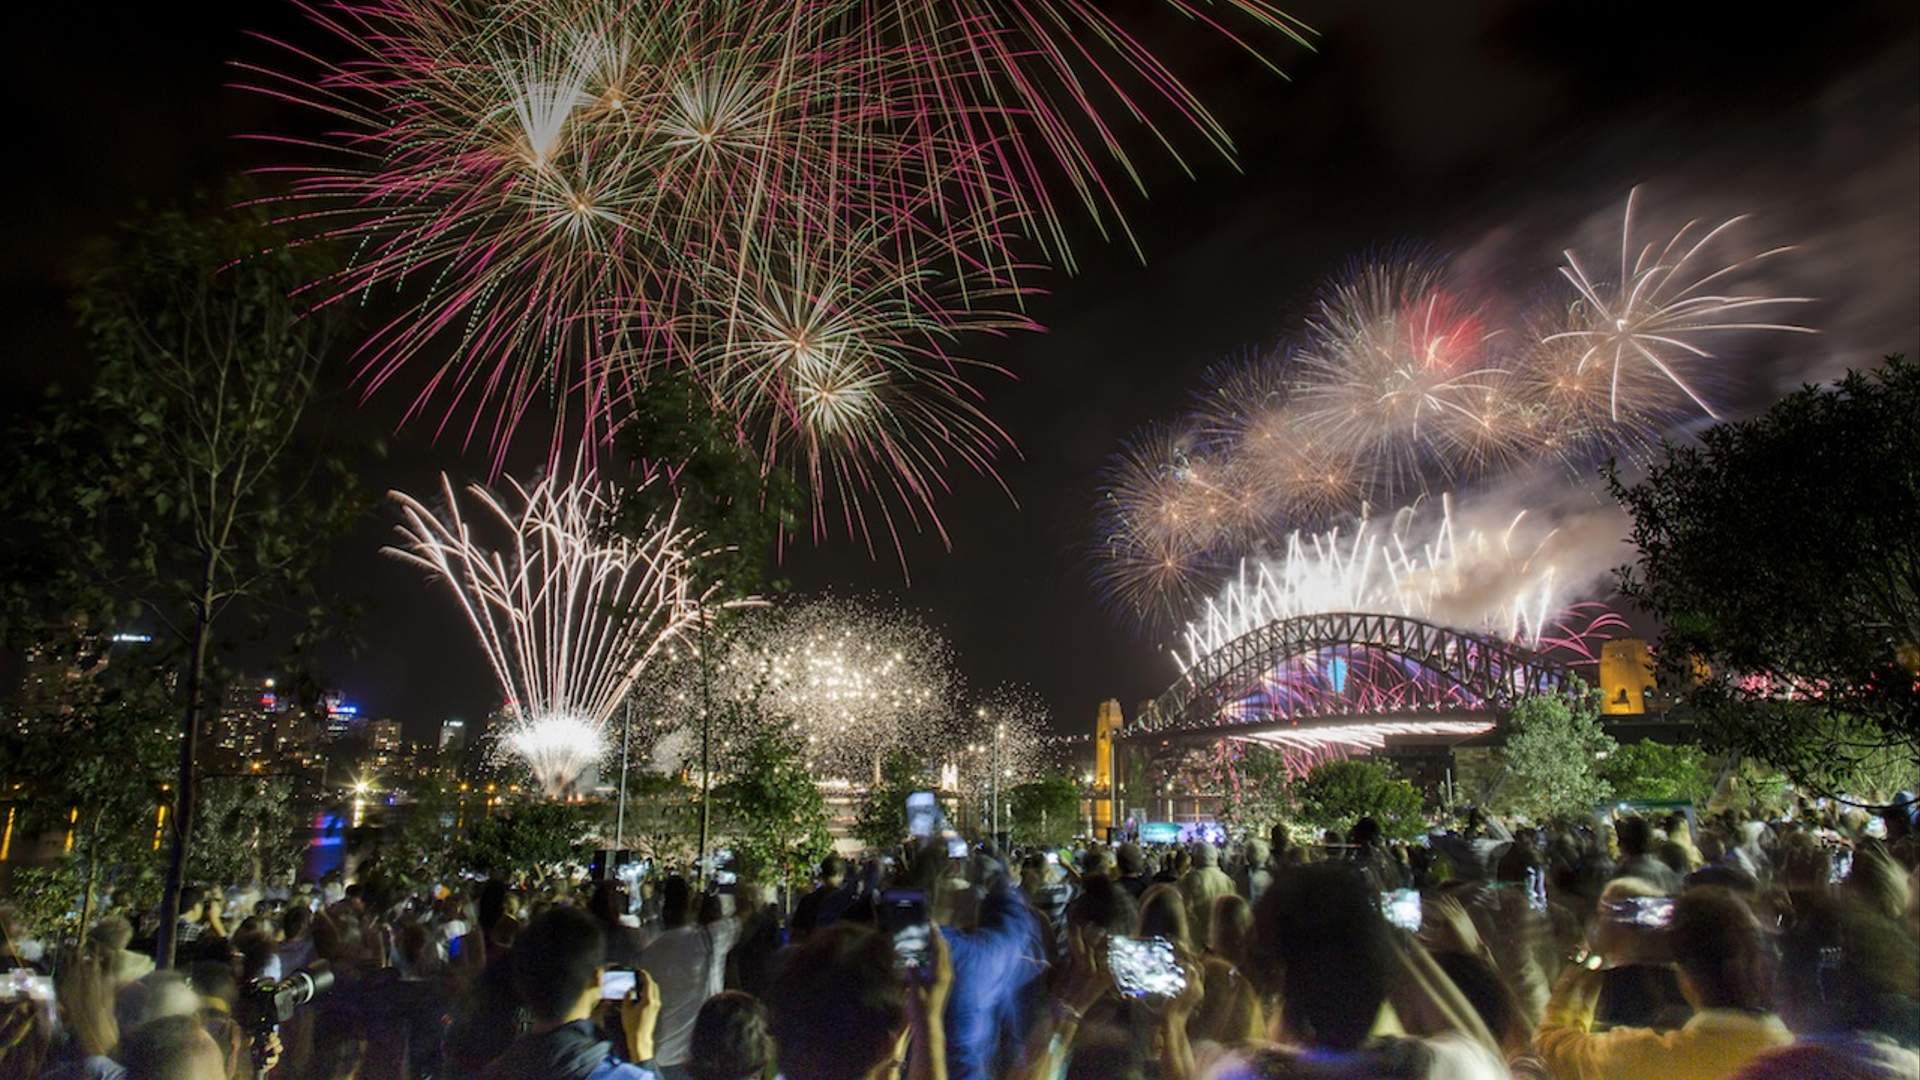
x,y
568,613
566,197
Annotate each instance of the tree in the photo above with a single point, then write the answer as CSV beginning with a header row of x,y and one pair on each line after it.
x,y
530,840
687,451
663,816
420,837
186,484
880,820
244,829
1335,794
1649,771
1782,556
1550,764
87,759
1258,789
1044,811
773,810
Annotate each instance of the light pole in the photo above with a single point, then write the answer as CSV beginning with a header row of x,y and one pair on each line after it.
x,y
706,744
620,816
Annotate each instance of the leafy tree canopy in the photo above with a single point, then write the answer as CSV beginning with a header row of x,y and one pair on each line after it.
x,y
1552,757
1044,811
1782,556
530,839
881,818
773,810
1258,789
1649,771
1335,794
682,445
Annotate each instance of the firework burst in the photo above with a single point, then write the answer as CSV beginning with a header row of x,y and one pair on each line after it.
x,y
1419,564
565,197
1403,385
568,613
852,682
1656,312
1006,733
1394,369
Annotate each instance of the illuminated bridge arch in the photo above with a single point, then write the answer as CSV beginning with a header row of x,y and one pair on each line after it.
x,y
1351,677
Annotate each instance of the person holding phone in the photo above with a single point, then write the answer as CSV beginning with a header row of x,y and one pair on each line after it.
x,y
841,1007
1725,971
558,970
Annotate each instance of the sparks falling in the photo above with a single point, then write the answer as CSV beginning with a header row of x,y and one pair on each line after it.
x,y
568,613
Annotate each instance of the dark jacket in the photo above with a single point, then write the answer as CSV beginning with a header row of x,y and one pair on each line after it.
x,y
569,1052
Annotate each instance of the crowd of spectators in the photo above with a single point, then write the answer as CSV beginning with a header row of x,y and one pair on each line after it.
x,y
1628,948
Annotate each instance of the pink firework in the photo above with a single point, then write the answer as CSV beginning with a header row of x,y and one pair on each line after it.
x,y
562,198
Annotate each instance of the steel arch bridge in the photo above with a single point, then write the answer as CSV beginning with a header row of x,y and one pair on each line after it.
x,y
1351,676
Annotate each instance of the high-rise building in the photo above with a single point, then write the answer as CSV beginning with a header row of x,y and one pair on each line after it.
x,y
242,732
453,734
340,716
384,743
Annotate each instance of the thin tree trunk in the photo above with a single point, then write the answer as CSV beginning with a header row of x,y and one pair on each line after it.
x,y
93,870
706,740
183,782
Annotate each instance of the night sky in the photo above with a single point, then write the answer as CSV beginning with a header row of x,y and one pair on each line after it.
x,y
1498,132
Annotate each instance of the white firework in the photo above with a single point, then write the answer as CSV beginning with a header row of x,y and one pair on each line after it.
x,y
1663,302
568,611
850,682
1505,577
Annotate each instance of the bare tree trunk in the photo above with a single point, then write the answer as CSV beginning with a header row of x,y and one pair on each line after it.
x,y
183,784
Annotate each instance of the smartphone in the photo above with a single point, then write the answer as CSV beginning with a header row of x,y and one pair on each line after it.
x,y
1402,908
1145,967
922,811
1842,865
1053,858
1537,890
913,948
956,847
903,914
617,983
1649,912
901,907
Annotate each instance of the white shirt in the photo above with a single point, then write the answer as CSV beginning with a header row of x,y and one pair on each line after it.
x,y
689,963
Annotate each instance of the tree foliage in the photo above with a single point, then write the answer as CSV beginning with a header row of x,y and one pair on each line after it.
x,y
662,820
1335,794
245,829
1258,789
1782,556
1550,764
530,840
1649,771
89,756
186,485
772,810
683,446
1044,811
880,819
